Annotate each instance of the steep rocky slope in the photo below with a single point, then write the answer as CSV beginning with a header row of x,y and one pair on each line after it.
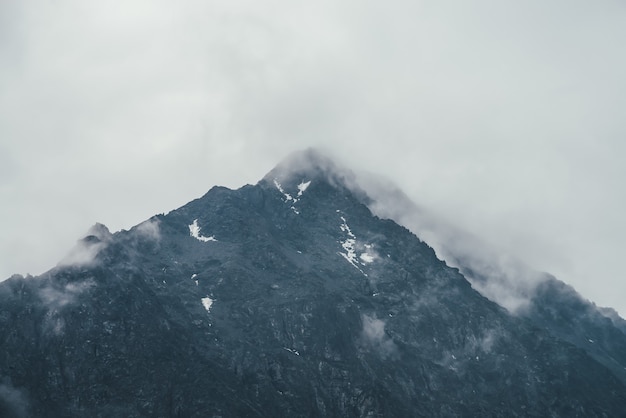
x,y
285,298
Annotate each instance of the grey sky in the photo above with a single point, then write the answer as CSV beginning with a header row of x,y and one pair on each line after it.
x,y
505,117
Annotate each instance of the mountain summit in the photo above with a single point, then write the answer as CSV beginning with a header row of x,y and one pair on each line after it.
x,y
285,298
313,165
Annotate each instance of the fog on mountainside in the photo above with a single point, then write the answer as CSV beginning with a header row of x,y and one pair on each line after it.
x,y
500,276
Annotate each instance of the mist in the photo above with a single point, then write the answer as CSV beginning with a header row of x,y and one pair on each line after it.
x,y
495,273
13,401
374,336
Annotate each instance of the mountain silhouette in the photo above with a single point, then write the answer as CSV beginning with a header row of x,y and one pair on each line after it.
x,y
289,298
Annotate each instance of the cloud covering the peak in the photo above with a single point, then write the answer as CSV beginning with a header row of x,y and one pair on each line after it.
x,y
505,118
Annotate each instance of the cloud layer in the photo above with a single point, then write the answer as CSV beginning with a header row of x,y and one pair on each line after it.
x,y
505,118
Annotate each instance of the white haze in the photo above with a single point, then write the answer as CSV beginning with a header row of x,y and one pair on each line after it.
x,y
374,336
14,400
509,281
150,229
503,117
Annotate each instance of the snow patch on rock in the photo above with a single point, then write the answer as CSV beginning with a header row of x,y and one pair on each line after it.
x,y
194,231
288,198
349,245
207,303
302,187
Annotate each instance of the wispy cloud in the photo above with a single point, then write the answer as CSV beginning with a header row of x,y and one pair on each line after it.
x,y
497,275
83,254
374,336
87,249
150,229
56,297
13,401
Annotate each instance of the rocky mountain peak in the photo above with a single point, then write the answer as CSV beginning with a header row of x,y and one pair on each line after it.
x,y
284,299
302,168
310,162
98,232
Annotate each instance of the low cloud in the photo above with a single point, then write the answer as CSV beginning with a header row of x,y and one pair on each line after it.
x,y
58,297
149,229
483,343
83,254
367,252
13,401
496,275
87,249
55,297
312,162
374,335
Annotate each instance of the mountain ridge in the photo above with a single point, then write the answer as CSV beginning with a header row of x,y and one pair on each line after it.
x,y
277,299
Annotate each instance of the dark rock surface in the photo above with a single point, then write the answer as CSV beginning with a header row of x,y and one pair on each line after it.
x,y
279,301
558,308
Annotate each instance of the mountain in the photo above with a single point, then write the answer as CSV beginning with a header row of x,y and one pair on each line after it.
x,y
545,301
287,298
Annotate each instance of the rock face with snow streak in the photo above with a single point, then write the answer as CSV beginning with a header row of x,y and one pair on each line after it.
x,y
284,298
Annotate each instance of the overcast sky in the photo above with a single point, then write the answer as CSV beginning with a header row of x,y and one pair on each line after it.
x,y
506,117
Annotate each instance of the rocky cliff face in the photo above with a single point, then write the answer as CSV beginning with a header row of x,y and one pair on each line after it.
x,y
286,298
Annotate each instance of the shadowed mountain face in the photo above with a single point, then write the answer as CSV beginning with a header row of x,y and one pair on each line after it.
x,y
286,298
